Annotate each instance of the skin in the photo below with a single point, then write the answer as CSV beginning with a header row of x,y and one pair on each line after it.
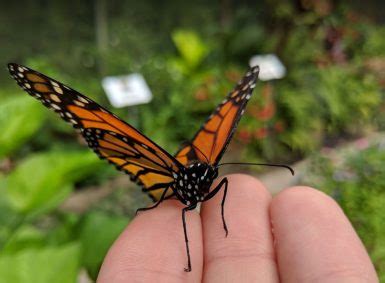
x,y
300,235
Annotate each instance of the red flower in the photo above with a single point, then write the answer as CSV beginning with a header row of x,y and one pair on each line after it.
x,y
244,135
201,94
279,127
232,75
267,112
261,133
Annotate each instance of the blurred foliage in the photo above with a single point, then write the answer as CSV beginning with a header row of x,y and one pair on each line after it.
x,y
191,49
98,230
45,265
191,54
20,118
53,172
356,180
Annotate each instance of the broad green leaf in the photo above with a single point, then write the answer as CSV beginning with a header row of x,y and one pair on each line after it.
x,y
98,233
45,265
43,180
8,219
27,236
190,46
20,118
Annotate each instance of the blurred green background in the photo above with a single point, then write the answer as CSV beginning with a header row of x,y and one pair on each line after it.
x,y
61,207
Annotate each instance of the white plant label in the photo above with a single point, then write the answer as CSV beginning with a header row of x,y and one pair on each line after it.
x,y
270,67
127,90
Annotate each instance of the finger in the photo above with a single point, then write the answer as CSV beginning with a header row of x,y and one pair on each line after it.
x,y
152,248
246,255
315,241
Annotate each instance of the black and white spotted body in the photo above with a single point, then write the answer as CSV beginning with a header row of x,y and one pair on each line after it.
x,y
192,184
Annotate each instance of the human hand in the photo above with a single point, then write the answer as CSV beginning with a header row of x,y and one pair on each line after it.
x,y
300,235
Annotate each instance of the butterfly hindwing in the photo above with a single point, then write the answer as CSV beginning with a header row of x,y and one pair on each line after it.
x,y
110,137
211,140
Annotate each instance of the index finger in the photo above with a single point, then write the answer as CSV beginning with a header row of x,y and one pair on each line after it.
x,y
152,248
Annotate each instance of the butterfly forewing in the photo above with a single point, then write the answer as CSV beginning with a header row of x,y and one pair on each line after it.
x,y
110,137
210,142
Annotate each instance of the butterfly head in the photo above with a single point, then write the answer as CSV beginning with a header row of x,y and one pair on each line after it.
x,y
193,183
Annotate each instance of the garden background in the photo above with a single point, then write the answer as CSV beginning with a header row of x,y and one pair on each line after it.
x,y
61,207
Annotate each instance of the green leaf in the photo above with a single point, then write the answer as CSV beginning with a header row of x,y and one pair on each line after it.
x,y
190,46
98,233
27,236
42,181
20,118
53,264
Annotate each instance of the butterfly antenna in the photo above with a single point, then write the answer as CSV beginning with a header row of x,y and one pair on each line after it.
x,y
260,164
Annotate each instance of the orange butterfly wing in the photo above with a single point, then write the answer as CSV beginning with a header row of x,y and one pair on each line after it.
x,y
111,138
210,142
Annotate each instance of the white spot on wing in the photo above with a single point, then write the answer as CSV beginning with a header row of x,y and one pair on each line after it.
x,y
82,99
58,89
55,106
55,98
78,103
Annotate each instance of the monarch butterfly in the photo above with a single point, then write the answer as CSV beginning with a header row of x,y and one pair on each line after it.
x,y
188,176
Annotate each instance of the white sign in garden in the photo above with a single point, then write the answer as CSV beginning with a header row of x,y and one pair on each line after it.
x,y
127,90
270,67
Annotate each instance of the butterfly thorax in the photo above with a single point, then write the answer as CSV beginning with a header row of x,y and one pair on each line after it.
x,y
193,183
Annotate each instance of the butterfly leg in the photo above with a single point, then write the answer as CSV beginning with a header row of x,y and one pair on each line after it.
x,y
155,205
188,269
223,183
